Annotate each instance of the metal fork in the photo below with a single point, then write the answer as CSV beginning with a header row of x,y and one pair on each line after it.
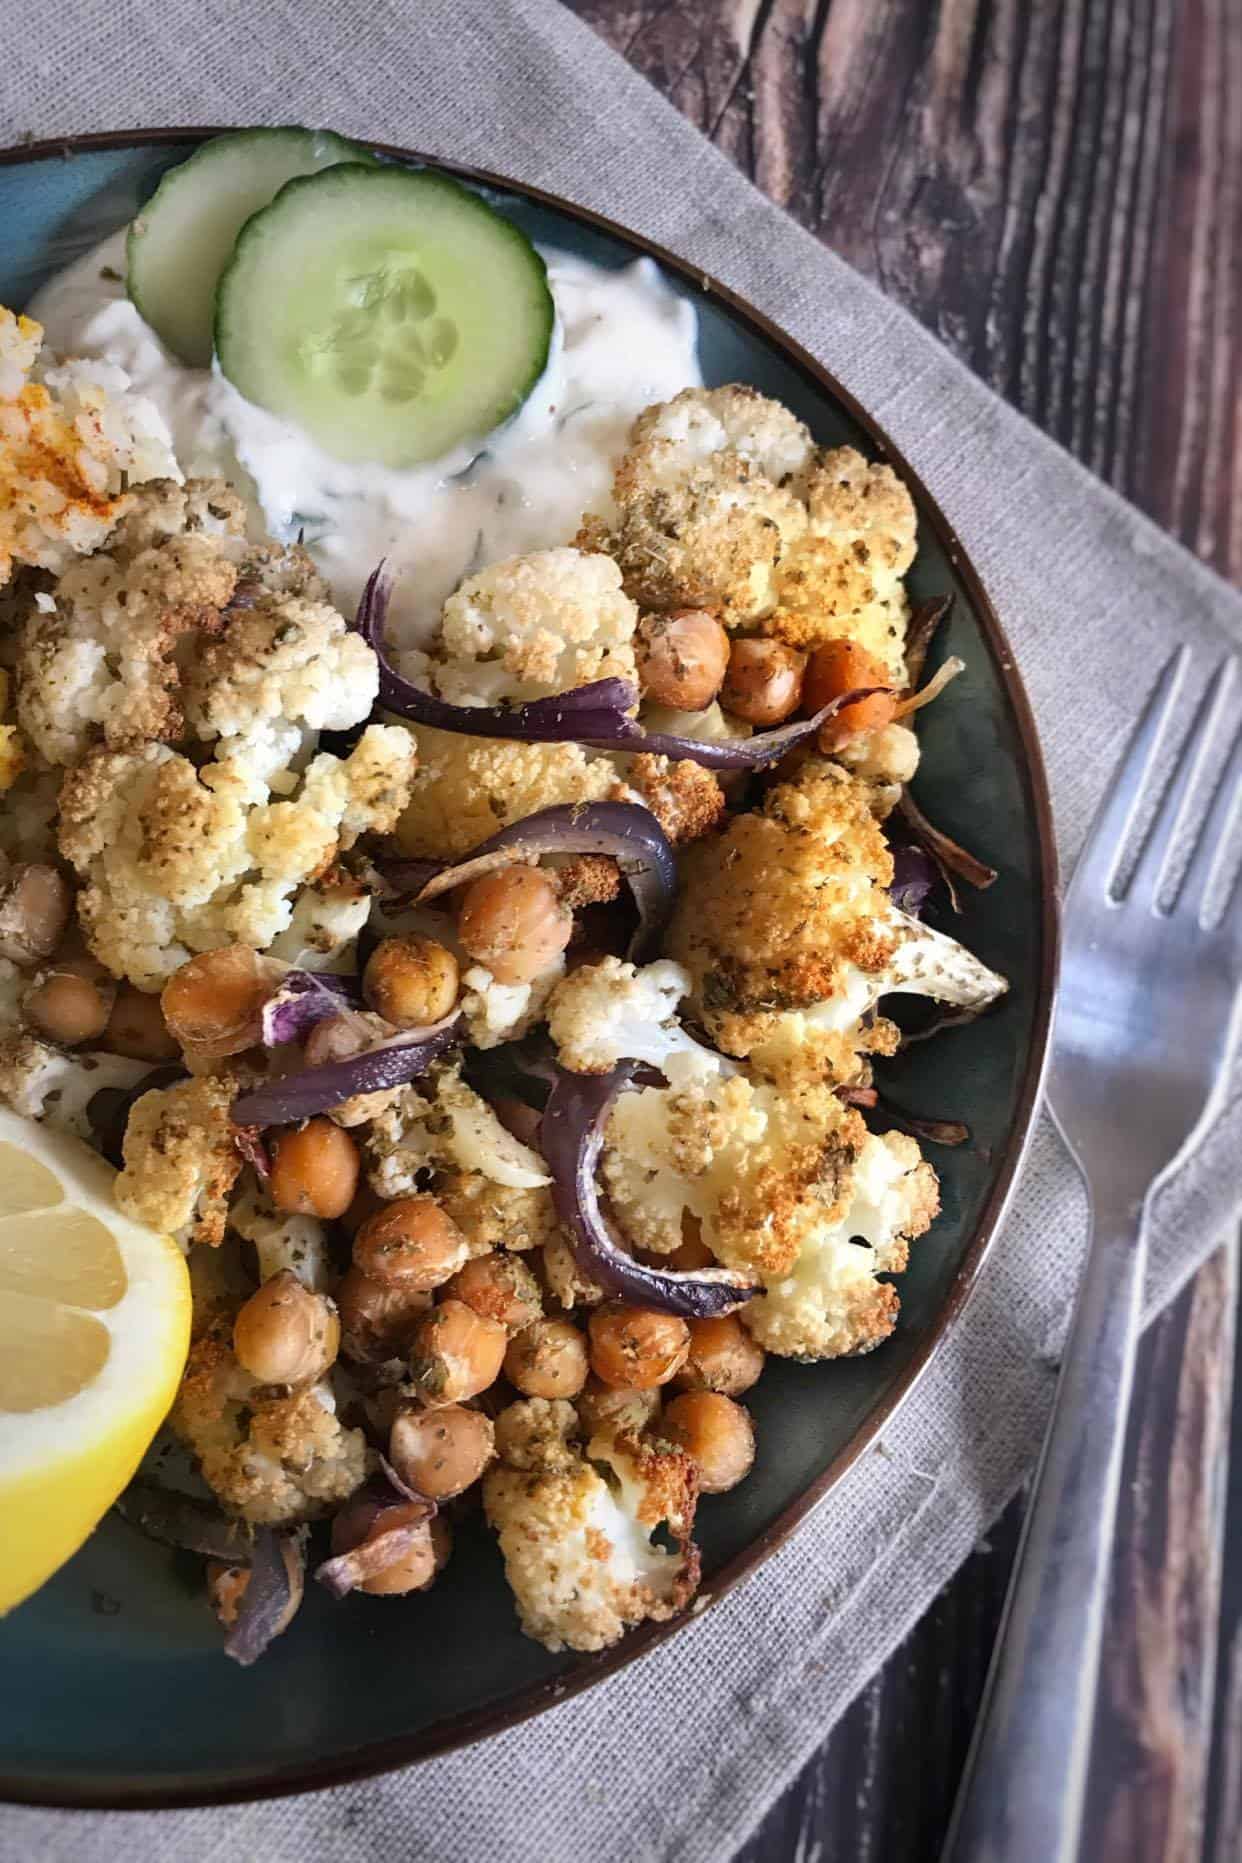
x,y
1149,992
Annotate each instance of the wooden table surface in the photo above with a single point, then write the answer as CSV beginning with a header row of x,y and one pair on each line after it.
x,y
1054,187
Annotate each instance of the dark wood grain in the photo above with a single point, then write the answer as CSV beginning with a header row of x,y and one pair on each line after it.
x,y
1055,189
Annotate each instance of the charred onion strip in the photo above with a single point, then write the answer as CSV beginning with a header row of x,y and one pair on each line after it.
x,y
947,854
294,1097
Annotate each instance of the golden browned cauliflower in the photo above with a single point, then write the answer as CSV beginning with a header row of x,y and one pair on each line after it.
x,y
97,659
842,580
286,658
575,1525
532,626
829,1303
685,798
176,859
71,444
704,505
785,925
274,1459
180,1160
466,788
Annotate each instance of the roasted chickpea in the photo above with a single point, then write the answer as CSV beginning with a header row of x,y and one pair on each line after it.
x,y
410,1243
636,1347
67,1007
285,1334
716,1433
500,1287
681,658
137,1028
605,1410
410,980
362,1527
547,1359
377,1322
213,1002
514,923
314,1170
764,682
35,902
441,1452
723,1357
841,666
455,1353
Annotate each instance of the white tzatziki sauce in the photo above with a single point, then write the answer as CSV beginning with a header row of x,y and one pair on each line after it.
x,y
623,339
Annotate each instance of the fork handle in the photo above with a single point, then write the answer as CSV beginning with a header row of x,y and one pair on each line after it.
x,y
1021,1797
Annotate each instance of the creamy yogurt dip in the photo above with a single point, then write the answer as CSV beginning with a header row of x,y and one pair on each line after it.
x,y
623,340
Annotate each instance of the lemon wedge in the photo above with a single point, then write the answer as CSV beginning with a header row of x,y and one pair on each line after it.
x,y
94,1329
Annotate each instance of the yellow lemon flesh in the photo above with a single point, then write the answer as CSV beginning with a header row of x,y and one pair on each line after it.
x,y
94,1329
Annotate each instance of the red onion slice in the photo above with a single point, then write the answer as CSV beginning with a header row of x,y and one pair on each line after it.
x,y
594,715
295,1097
627,831
271,1598
571,1139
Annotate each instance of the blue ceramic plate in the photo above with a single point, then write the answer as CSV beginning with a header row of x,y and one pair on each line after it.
x,y
115,1691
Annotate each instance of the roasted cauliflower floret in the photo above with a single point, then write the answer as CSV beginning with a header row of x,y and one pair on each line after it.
x,y
283,1239
830,1302
443,1135
612,1011
98,660
177,859
468,787
786,928
759,1167
327,918
181,1161
704,509
71,444
685,798
575,1528
532,626
45,1083
843,579
281,659
273,1459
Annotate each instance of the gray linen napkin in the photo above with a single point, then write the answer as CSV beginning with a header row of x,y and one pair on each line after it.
x,y
680,1755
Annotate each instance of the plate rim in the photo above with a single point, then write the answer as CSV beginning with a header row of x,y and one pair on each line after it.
x,y
381,1756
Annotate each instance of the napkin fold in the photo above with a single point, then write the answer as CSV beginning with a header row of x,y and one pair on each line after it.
x,y
680,1755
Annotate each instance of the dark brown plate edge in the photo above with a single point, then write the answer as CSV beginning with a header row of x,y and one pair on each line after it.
x,y
462,1730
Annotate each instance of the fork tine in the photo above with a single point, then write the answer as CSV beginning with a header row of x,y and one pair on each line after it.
x,y
1099,858
1189,767
1211,841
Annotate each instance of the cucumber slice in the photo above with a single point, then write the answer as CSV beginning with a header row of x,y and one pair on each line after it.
x,y
388,312
182,239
